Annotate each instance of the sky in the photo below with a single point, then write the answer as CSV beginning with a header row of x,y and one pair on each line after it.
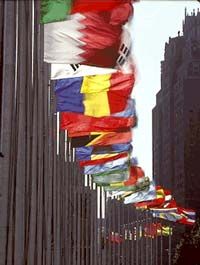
x,y
153,23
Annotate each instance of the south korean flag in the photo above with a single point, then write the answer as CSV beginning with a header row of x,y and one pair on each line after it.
x,y
60,71
125,60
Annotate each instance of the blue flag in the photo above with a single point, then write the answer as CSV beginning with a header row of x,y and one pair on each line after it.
x,y
85,152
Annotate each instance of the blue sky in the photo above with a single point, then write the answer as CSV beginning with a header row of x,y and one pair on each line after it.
x,y
154,22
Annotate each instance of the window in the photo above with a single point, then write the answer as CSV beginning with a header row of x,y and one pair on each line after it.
x,y
194,69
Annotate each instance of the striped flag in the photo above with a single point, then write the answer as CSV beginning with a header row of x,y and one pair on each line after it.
x,y
86,152
96,96
102,158
76,123
118,164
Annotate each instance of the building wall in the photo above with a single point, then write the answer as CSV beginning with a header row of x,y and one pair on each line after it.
x,y
178,97
47,215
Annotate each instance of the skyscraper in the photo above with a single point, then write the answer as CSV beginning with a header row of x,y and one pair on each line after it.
x,y
176,116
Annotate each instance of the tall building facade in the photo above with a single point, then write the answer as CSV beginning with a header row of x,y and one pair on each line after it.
x,y
176,116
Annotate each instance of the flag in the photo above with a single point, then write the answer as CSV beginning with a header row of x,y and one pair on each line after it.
x,y
58,10
145,195
170,215
177,214
150,230
115,238
170,204
134,174
103,139
188,216
124,191
114,176
157,202
97,5
164,231
102,158
81,141
119,82
111,177
77,123
156,229
62,71
97,39
96,96
164,210
187,221
129,110
118,164
85,152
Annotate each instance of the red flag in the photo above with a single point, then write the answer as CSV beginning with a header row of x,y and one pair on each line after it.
x,y
78,123
115,238
188,216
170,204
150,230
91,38
80,6
135,174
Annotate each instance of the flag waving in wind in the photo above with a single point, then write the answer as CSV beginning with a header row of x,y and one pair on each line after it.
x,y
98,139
57,10
148,194
118,164
102,158
92,38
99,95
86,152
78,123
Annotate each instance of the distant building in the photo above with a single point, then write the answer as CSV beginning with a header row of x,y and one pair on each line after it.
x,y
176,116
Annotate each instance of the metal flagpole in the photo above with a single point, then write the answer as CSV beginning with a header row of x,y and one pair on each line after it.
x,y
151,244
156,251
137,232
132,238
147,246
123,235
142,239
161,247
119,231
170,246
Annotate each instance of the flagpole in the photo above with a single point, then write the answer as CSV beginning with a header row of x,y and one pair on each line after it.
x,y
133,238
142,239
170,245
119,231
128,233
137,254
147,256
161,247
151,243
156,251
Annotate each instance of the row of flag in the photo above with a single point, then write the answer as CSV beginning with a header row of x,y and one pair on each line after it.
x,y
150,230
88,44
